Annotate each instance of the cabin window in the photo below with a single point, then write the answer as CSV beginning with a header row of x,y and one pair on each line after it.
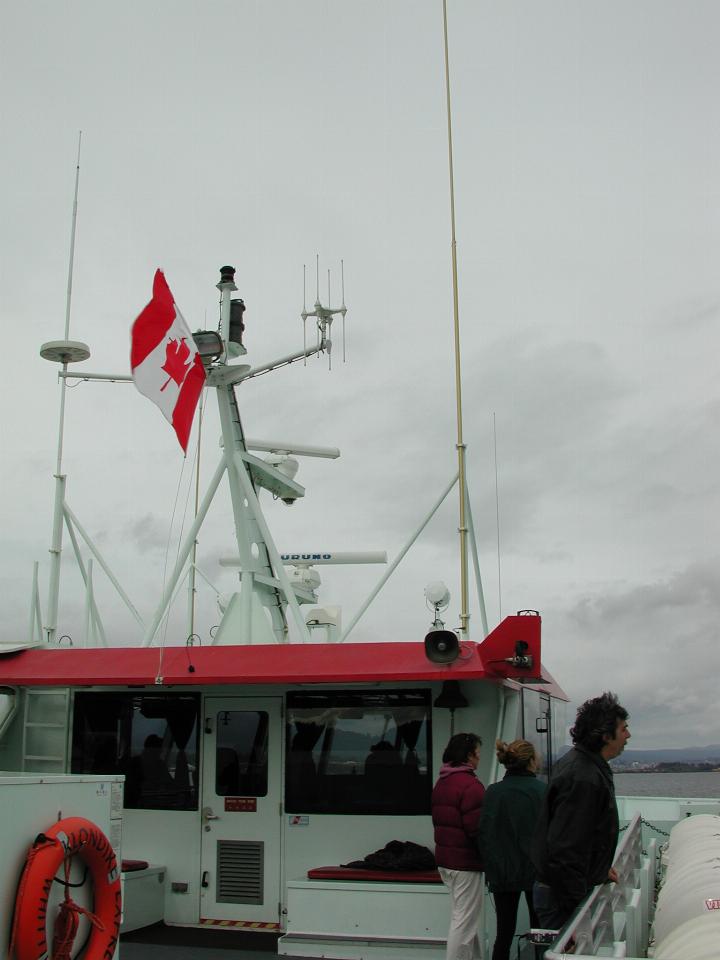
x,y
358,752
152,740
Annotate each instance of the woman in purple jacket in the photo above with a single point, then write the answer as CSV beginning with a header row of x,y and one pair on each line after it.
x,y
456,802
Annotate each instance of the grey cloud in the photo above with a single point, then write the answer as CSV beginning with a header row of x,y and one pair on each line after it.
x,y
655,643
147,533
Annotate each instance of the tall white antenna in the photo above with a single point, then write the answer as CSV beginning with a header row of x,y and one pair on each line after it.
x,y
62,351
72,240
497,519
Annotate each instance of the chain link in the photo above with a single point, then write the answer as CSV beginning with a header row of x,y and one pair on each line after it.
x,y
647,824
652,826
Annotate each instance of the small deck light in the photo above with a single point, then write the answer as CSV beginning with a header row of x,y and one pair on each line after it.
x,y
209,345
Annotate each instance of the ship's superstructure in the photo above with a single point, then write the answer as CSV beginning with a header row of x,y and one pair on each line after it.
x,y
280,747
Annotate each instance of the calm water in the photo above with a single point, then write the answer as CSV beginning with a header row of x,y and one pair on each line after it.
x,y
668,785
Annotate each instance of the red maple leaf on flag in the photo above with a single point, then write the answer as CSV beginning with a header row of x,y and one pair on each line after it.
x,y
176,361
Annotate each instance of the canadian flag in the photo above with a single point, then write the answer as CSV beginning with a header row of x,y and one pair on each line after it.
x,y
165,365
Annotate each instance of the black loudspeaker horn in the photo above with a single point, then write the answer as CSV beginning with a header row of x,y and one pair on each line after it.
x,y
442,646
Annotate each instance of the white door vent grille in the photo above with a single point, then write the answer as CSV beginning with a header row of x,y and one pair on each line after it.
x,y
240,871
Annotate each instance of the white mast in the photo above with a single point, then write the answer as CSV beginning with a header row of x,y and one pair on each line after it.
x,y
62,351
258,612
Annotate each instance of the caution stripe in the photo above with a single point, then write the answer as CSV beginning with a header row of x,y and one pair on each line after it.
x,y
240,924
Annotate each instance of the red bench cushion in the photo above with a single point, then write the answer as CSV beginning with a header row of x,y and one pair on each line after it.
x,y
383,876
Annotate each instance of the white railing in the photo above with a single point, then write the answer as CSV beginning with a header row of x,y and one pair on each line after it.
x,y
615,919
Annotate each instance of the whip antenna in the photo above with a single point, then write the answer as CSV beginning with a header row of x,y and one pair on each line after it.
x,y
324,315
64,352
497,519
343,309
304,320
462,529
72,240
329,300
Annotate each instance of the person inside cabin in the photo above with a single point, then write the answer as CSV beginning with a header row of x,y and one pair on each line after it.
x,y
104,759
456,804
302,783
574,843
382,758
507,824
157,786
385,779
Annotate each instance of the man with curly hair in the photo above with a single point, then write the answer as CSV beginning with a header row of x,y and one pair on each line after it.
x,y
577,832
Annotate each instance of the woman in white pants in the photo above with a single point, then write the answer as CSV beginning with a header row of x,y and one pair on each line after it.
x,y
456,804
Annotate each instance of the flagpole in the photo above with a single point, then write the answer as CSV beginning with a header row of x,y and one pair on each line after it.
x,y
193,559
57,528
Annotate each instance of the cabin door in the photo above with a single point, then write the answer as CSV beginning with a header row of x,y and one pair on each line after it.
x,y
241,809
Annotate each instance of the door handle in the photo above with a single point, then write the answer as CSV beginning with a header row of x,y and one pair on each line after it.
x,y
207,814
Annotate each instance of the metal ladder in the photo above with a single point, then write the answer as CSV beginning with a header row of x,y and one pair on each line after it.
x,y
45,731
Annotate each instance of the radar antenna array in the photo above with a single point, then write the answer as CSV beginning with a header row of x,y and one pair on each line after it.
x,y
324,314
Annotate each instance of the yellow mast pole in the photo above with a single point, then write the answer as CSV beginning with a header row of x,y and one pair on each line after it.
x,y
462,529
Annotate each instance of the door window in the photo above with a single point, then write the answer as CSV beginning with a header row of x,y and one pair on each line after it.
x,y
241,761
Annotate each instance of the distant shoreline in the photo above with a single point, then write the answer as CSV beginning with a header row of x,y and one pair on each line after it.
x,y
670,768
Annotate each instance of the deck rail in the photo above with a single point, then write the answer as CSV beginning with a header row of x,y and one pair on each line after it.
x,y
615,919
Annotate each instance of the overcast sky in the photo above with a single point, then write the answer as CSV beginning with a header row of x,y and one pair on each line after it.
x,y
587,151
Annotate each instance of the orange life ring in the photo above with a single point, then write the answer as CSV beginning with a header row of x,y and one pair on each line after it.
x,y
67,838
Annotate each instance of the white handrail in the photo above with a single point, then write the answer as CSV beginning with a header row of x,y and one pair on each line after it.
x,y
615,917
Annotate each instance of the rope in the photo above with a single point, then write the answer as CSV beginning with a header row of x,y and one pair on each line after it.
x,y
68,920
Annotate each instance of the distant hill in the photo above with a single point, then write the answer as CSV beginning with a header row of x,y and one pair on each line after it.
x,y
709,754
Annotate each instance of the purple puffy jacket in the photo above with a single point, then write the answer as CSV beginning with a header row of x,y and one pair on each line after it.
x,y
456,803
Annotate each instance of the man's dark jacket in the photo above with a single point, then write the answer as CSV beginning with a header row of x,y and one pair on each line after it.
x,y
577,832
